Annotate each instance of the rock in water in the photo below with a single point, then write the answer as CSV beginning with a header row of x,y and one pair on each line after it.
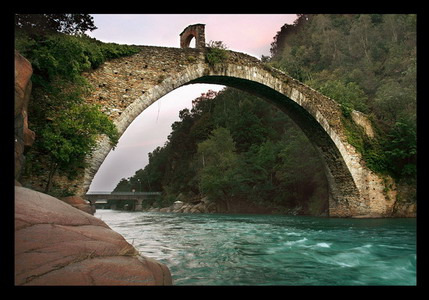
x,y
57,244
79,203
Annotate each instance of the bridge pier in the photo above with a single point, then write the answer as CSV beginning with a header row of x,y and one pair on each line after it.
x,y
138,205
92,202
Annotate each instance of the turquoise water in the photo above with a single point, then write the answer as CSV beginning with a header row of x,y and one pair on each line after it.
x,y
221,249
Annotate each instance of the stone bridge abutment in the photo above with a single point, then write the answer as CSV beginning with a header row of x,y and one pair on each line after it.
x,y
133,83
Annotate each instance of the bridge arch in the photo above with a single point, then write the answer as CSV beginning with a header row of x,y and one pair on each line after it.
x,y
318,116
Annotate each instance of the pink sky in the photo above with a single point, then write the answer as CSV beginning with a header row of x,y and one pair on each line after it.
x,y
251,34
248,33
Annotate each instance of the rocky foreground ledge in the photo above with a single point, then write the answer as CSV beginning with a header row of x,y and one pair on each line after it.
x,y
57,244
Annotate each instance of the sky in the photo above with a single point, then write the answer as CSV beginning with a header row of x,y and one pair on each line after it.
x,y
247,33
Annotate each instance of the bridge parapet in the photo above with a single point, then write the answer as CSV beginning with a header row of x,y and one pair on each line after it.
x,y
138,197
123,193
93,196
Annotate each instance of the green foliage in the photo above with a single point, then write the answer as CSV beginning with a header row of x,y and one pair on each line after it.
x,y
219,175
191,59
123,186
66,126
232,145
349,95
401,149
216,53
365,63
66,56
68,137
50,23
371,149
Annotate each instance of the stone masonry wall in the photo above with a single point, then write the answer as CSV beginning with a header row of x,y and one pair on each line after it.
x,y
119,82
193,31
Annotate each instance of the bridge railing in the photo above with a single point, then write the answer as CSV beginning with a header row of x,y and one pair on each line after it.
x,y
123,193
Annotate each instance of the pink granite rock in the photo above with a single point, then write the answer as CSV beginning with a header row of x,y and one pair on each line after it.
x,y
79,203
24,137
57,244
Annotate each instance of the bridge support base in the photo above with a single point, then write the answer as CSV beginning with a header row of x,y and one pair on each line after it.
x,y
138,206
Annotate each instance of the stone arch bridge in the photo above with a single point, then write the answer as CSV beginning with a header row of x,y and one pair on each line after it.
x,y
125,87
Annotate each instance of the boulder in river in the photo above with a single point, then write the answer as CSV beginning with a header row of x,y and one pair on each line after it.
x,y
79,203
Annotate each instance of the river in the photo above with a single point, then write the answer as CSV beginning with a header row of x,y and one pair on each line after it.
x,y
226,249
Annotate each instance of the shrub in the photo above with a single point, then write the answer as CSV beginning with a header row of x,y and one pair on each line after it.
x,y
67,126
67,56
216,53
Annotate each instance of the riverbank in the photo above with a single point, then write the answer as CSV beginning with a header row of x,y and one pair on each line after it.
x,y
401,209
206,206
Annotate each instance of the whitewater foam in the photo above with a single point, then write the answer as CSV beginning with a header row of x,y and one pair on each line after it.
x,y
324,245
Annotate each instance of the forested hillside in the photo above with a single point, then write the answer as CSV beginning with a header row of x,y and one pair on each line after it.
x,y
365,62
235,148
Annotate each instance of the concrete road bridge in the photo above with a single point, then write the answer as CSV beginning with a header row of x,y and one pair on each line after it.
x,y
125,87
137,197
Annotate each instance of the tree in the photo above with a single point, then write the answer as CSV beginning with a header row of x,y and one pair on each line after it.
x,y
39,24
287,31
350,95
329,39
361,36
243,115
71,135
393,101
66,126
258,170
298,170
123,186
219,176
401,149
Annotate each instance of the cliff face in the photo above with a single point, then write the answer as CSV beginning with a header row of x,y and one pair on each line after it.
x,y
24,137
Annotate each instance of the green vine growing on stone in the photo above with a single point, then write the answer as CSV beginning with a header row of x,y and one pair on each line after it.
x,y
216,53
